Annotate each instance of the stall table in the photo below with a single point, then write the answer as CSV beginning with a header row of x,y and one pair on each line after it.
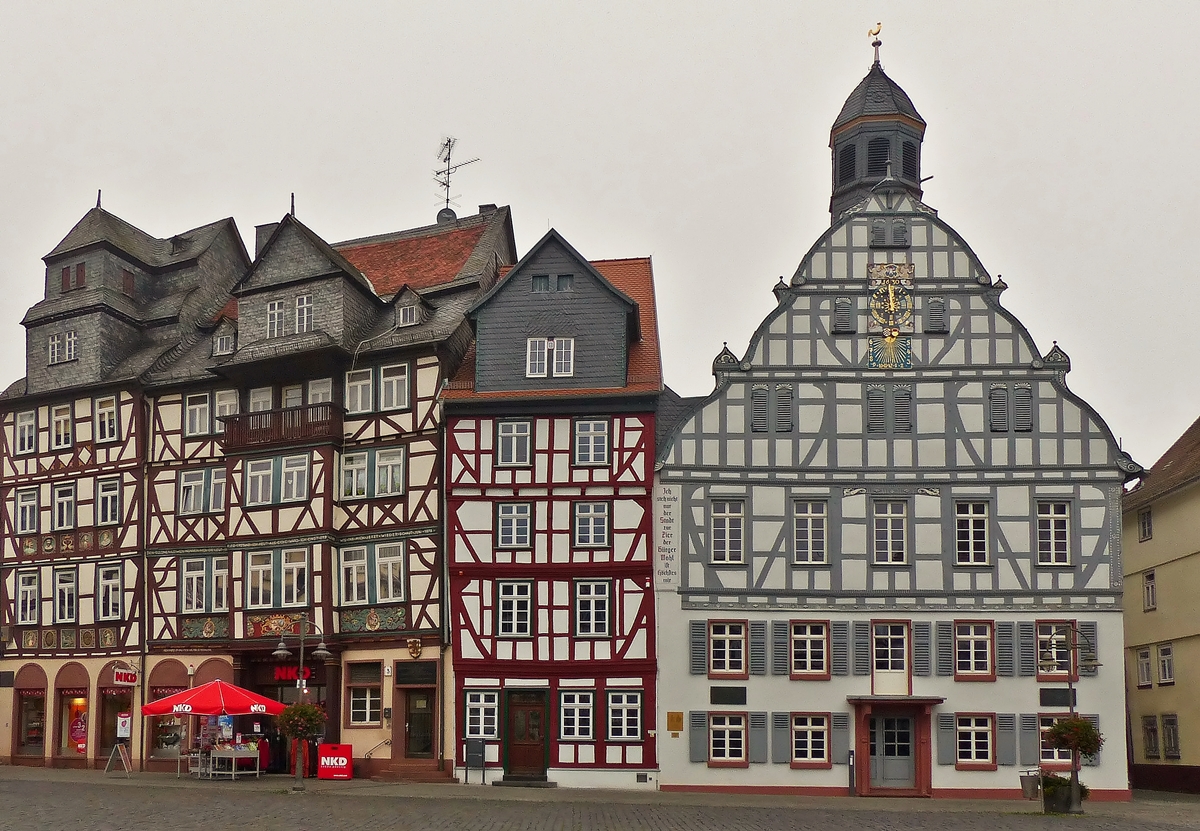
x,y
218,759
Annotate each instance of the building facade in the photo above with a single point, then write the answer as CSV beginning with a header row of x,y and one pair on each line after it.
x,y
1162,639
549,469
876,535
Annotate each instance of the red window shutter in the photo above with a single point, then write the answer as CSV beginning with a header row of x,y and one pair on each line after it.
x,y
66,279
127,281
80,276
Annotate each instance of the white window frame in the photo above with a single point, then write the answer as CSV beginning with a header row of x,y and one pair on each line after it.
x,y
624,715
26,427
260,396
513,440
219,592
514,601
1145,520
29,598
1053,533
260,583
728,531
1145,668
294,478
62,500
260,481
109,591
275,324
225,403
889,647
108,501
1149,592
216,491
360,391
28,511
66,595
408,315
366,704
727,648
889,519
72,345
973,740
393,387
576,719
590,527
193,590
54,349
106,419
810,527
1166,664
389,472
973,648
481,712
810,738
222,344
593,608
727,737
320,391
354,475
294,574
564,357
197,420
537,357
354,576
61,432
591,442
1048,753
389,573
304,313
1052,639
809,647
514,524
972,546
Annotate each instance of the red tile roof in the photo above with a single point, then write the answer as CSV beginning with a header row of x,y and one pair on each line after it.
x,y
1178,467
229,310
417,261
634,277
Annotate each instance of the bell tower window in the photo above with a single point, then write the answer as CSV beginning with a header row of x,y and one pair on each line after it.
x,y
909,160
847,162
877,157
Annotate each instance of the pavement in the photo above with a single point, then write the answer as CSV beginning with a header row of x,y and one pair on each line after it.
x,y
37,798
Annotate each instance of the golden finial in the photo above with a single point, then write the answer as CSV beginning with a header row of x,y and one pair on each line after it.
x,y
874,33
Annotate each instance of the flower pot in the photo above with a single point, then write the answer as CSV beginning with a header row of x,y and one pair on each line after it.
x,y
1056,801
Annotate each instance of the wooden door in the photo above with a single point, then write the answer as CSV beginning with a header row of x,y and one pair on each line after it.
x,y
418,724
892,752
525,737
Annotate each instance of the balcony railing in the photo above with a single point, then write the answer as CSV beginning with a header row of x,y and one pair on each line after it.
x,y
311,422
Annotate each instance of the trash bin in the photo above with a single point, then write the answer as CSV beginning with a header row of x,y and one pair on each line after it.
x,y
1031,783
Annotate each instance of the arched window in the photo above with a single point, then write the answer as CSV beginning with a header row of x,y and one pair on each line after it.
x,y
909,157
847,162
877,157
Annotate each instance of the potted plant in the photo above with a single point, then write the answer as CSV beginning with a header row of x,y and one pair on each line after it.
x,y
301,722
1082,738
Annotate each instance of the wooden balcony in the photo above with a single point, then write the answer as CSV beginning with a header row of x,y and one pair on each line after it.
x,y
294,425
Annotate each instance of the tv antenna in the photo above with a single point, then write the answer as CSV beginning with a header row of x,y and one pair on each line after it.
x,y
442,175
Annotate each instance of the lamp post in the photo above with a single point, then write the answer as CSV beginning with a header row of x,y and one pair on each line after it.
x,y
1050,663
283,653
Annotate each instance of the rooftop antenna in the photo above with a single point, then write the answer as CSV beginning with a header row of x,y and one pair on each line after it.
x,y
874,33
293,210
98,197
442,175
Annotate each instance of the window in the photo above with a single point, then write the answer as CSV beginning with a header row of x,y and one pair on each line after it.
x,y
226,402
293,396
80,277
358,391
64,507
891,532
275,319
513,442
899,233
624,716
591,442
727,648
222,344
1149,592
193,596
810,532
576,716
295,478
535,364
908,160
1145,668
60,427
591,524
354,575
364,693
1053,526
27,431
514,609
482,711
891,648
29,599
261,399
514,522
27,511
1053,649
408,315
974,740
970,523
64,596
566,282
389,472
591,608
295,577
878,233
106,419
1052,754
216,490
726,738
1150,737
843,316
197,415
810,739
540,282
1170,736
259,475
1166,664
63,348
902,409
936,321
726,532
973,649
554,354
847,156
878,157
304,313
109,592
564,357
393,387
998,408
354,475
108,502
1145,525
259,579
810,649
389,561
220,585
54,349
320,391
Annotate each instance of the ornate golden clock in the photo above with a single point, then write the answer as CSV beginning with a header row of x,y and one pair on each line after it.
x,y
890,305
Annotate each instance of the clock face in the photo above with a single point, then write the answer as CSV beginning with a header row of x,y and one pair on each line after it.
x,y
891,304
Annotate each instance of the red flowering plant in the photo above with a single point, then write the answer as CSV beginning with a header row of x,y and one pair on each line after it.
x,y
1076,734
302,721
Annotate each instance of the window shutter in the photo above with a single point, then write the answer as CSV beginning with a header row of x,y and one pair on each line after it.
x,y
908,156
899,233
998,408
1023,408
839,739
876,411
758,738
902,410
843,315
1006,739
1026,648
781,738
66,279
839,638
945,647
758,650
935,315
847,158
877,157
945,739
878,233
1031,739
697,736
758,409
80,276
1091,761
921,637
783,408
862,647
698,642
780,648
127,282
1089,646
1005,666
364,673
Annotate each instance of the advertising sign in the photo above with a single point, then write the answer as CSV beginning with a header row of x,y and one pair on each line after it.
x,y
125,677
124,725
334,761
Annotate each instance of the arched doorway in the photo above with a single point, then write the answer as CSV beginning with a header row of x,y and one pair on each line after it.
x,y
29,716
112,701
72,717
166,736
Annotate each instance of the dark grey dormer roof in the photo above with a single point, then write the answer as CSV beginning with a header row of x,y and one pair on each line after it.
x,y
99,227
876,95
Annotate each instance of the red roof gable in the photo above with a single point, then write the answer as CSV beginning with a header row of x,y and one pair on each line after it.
x,y
418,262
1178,467
229,310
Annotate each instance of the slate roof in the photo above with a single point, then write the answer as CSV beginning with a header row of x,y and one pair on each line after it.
x,y
876,94
99,226
671,411
1178,468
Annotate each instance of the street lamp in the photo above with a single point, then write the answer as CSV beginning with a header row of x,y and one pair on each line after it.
x,y
1050,663
283,653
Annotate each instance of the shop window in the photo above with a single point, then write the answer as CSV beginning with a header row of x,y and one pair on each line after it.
x,y
72,722
363,692
31,729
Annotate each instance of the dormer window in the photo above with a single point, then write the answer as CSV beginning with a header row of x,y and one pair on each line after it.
x,y
304,313
223,344
550,356
62,348
540,282
275,319
408,315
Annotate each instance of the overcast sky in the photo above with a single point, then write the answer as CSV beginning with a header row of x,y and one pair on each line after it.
x,y
1062,138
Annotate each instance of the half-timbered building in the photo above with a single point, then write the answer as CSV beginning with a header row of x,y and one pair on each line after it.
x,y
879,535
549,464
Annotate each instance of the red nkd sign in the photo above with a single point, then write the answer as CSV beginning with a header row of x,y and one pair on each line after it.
x,y
290,673
125,677
334,761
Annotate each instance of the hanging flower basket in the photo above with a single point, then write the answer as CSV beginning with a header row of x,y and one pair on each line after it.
x,y
302,721
1076,734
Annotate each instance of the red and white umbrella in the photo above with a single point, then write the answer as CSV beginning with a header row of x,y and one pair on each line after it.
x,y
216,698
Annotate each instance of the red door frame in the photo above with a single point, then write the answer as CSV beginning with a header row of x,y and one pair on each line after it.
x,y
922,746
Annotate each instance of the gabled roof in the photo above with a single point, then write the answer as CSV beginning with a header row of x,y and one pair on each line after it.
x,y
1178,467
98,226
877,95
323,261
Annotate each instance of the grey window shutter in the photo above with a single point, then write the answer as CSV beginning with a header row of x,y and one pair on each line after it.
x,y
758,738
839,739
847,157
1088,646
1005,666
899,233
945,739
876,410
758,648
843,315
878,229
1022,408
783,408
998,408
862,647
1006,739
1031,740
1091,760
935,315
902,409
921,647
698,736
945,647
781,738
758,409
839,639
1026,648
698,635
780,648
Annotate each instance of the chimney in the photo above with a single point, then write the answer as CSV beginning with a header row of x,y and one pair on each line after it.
x,y
262,233
484,210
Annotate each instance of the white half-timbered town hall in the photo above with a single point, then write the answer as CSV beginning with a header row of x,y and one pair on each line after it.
x,y
880,534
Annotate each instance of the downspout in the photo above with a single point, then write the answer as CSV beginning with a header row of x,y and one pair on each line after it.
x,y
142,437
444,594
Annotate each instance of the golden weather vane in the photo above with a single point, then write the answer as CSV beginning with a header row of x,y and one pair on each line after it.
x,y
874,33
